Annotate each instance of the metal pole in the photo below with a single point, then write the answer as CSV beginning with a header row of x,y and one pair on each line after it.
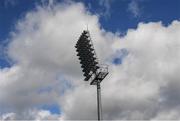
x,y
99,107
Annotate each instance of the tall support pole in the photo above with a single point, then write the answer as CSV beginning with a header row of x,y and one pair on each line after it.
x,y
99,106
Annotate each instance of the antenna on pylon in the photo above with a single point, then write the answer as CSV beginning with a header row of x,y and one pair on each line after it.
x,y
87,27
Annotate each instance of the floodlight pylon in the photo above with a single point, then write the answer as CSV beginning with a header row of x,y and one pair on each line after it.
x,y
91,68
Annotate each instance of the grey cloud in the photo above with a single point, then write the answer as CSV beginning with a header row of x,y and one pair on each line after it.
x,y
42,48
144,86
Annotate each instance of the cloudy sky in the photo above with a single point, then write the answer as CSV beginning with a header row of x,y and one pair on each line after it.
x,y
40,75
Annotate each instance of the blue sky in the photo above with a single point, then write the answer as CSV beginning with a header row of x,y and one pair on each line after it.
x,y
115,16
119,18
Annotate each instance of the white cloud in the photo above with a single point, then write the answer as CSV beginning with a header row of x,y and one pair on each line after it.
x,y
42,48
44,115
144,86
7,116
134,8
10,3
31,115
106,4
47,71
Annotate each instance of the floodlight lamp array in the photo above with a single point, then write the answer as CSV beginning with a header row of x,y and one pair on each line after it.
x,y
87,55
